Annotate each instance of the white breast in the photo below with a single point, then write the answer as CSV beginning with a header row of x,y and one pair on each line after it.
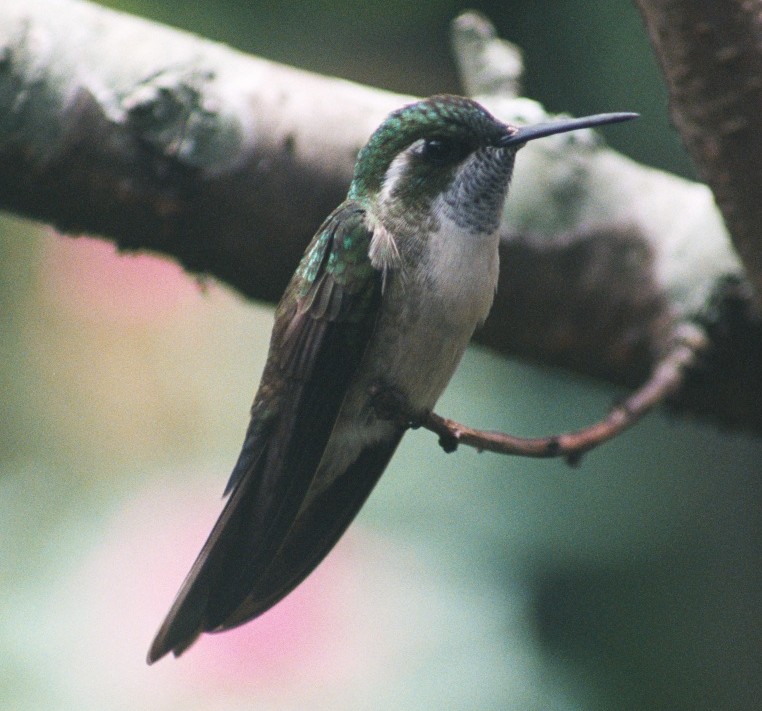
x,y
427,318
431,312
463,272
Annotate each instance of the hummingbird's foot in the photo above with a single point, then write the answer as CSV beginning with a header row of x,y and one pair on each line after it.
x,y
448,442
388,403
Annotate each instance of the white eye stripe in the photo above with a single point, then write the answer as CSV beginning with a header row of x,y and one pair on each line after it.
x,y
416,146
395,172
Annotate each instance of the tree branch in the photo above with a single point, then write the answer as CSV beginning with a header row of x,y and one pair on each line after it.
x,y
668,377
710,52
186,147
228,163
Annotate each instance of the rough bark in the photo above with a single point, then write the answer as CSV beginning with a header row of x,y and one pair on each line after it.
x,y
710,52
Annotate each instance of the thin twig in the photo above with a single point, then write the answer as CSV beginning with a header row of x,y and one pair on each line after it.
x,y
667,377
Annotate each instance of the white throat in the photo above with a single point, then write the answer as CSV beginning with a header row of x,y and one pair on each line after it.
x,y
463,269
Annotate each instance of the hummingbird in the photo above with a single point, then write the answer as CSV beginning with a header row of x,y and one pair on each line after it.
x,y
366,337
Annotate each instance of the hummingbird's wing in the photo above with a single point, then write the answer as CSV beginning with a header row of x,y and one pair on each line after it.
x,y
265,541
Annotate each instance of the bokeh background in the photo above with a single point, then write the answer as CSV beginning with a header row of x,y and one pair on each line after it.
x,y
469,581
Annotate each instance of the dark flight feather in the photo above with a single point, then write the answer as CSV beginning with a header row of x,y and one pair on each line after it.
x,y
265,542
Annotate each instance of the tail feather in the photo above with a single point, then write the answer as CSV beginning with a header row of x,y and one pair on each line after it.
x,y
222,591
188,616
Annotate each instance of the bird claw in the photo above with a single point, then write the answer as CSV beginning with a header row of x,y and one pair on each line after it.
x,y
388,403
448,442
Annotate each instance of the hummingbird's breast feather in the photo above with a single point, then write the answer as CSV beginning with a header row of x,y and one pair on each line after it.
x,y
432,310
429,312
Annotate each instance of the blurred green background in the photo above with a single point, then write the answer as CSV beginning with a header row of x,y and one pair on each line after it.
x,y
469,581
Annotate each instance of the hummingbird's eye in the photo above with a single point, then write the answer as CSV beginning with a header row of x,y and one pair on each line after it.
x,y
441,150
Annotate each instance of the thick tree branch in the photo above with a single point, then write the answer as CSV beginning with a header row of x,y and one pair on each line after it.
x,y
228,163
179,145
710,52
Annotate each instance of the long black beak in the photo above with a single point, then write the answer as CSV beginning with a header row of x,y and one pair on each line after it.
x,y
539,130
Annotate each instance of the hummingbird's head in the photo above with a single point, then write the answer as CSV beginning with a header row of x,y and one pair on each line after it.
x,y
442,151
445,156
